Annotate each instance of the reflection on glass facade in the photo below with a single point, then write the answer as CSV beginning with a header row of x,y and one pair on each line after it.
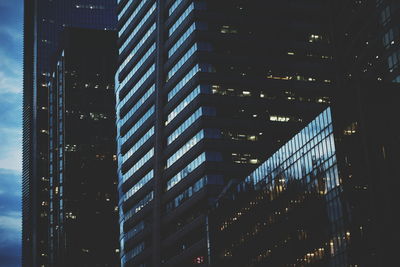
x,y
290,206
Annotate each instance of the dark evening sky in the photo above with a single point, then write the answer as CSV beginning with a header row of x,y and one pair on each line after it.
x,y
11,12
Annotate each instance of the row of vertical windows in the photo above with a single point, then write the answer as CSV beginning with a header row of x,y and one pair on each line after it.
x,y
181,19
137,125
139,206
138,185
138,165
182,39
138,27
184,81
182,61
137,85
138,144
185,148
138,104
185,195
186,124
139,64
138,46
132,253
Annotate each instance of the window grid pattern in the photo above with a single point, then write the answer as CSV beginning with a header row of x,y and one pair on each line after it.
x,y
138,165
139,206
183,104
132,253
182,61
137,47
139,64
134,231
138,144
185,195
149,72
184,81
174,7
136,106
185,148
138,27
181,18
181,40
210,111
186,171
138,185
138,124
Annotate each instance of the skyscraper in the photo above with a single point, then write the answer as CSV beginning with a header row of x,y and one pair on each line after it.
x,y
82,151
43,23
365,112
207,90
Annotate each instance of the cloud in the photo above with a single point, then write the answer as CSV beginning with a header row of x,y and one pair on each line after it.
x,y
10,218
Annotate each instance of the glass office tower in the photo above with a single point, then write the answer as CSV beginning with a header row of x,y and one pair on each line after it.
x,y
289,211
82,151
206,90
43,23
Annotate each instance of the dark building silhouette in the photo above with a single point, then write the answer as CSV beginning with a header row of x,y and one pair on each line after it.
x,y
83,214
287,212
366,38
43,24
207,90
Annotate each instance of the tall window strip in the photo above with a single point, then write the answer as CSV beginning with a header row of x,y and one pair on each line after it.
x,y
137,125
183,82
138,46
132,16
138,144
138,27
138,165
181,19
174,7
149,72
182,61
142,182
185,148
138,104
183,104
124,9
139,64
181,40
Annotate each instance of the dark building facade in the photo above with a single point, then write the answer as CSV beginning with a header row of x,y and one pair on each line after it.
x,y
83,205
289,211
206,91
43,23
365,116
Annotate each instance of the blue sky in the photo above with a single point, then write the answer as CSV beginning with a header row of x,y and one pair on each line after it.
x,y
11,12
